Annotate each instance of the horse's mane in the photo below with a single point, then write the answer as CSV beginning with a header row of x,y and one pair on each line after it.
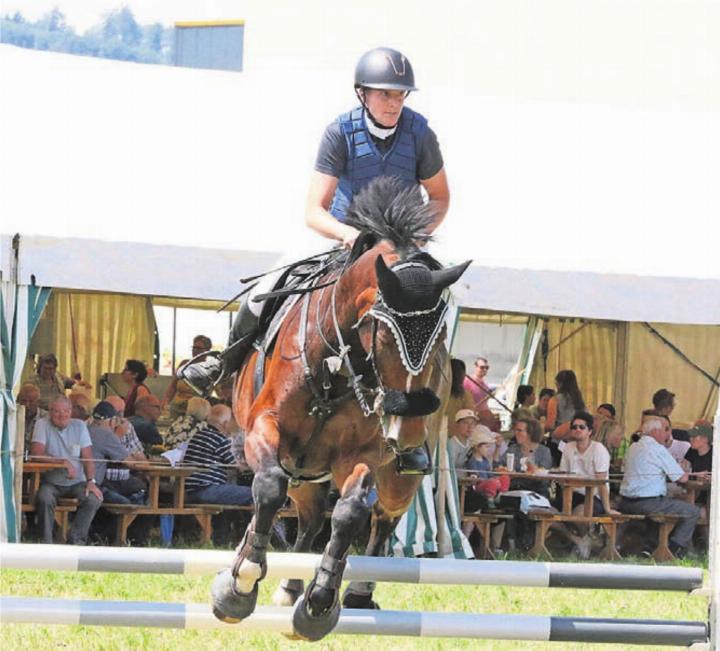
x,y
389,209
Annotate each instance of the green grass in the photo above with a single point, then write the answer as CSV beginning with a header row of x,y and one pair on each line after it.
x,y
180,589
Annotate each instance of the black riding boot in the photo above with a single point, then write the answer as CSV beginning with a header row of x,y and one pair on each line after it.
x,y
202,373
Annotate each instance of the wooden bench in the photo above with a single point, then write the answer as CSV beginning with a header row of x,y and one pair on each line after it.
x,y
484,521
667,524
126,514
63,509
545,519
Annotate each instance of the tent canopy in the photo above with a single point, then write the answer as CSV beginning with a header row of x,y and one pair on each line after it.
x,y
213,274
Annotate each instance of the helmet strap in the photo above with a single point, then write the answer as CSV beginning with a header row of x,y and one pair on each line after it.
x,y
374,127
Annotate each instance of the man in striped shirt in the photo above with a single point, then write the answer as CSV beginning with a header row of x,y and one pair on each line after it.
x,y
209,448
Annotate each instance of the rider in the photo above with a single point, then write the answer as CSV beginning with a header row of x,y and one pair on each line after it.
x,y
379,137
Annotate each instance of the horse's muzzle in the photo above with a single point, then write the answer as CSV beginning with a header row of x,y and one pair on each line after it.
x,y
410,404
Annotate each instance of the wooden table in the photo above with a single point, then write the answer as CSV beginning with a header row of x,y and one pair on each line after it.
x,y
155,472
693,487
567,482
32,471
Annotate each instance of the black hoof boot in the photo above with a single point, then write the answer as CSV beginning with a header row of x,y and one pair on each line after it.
x,y
311,628
362,601
413,461
229,605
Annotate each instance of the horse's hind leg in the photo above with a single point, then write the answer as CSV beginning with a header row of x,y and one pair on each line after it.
x,y
235,590
318,612
310,501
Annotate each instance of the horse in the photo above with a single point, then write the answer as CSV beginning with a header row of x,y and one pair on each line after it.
x,y
349,382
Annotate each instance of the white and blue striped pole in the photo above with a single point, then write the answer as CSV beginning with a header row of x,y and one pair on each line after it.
x,y
359,568
359,622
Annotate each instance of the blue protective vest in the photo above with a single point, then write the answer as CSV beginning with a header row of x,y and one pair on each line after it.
x,y
365,162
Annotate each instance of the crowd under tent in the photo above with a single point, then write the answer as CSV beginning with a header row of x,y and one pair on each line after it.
x,y
622,348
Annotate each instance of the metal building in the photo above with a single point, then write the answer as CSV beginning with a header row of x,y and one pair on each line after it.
x,y
216,45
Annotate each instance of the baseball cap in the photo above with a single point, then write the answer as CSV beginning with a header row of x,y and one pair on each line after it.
x,y
465,413
104,410
481,434
701,430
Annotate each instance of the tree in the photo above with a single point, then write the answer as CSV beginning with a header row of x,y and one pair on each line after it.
x,y
121,26
53,21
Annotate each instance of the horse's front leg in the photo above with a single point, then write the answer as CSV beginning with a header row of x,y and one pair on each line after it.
x,y
317,613
310,501
235,590
395,494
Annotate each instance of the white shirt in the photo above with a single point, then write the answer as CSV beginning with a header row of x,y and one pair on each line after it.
x,y
594,461
459,452
647,464
64,444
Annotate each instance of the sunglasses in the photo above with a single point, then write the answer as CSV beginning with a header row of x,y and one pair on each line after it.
x,y
483,367
578,427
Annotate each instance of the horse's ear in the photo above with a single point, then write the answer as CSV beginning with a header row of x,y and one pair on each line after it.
x,y
388,282
365,300
446,277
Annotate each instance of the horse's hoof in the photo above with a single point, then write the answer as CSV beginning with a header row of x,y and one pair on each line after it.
x,y
310,628
288,592
362,601
229,605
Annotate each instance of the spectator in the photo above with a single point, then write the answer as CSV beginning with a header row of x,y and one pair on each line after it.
x,y
699,456
134,375
602,413
29,397
677,449
644,488
525,399
125,431
663,402
583,456
81,406
482,494
60,437
539,411
49,382
459,398
116,484
465,422
564,405
182,429
210,448
610,434
481,392
179,392
147,412
528,447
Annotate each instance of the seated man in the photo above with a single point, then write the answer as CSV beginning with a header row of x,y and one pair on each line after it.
x,y
29,397
59,437
210,448
125,431
644,487
117,484
588,458
147,412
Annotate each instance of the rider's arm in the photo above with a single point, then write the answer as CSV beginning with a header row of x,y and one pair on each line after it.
x,y
317,217
439,193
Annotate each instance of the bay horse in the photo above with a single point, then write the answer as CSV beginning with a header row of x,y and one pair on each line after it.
x,y
348,383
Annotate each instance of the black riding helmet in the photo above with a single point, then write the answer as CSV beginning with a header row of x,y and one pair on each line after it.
x,y
384,69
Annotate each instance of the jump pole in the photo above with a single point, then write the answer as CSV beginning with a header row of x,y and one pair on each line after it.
x,y
358,622
428,571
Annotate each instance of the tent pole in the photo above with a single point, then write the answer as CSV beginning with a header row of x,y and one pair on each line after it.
x,y
714,548
174,336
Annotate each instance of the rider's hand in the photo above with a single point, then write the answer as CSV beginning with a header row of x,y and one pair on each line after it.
x,y
349,235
